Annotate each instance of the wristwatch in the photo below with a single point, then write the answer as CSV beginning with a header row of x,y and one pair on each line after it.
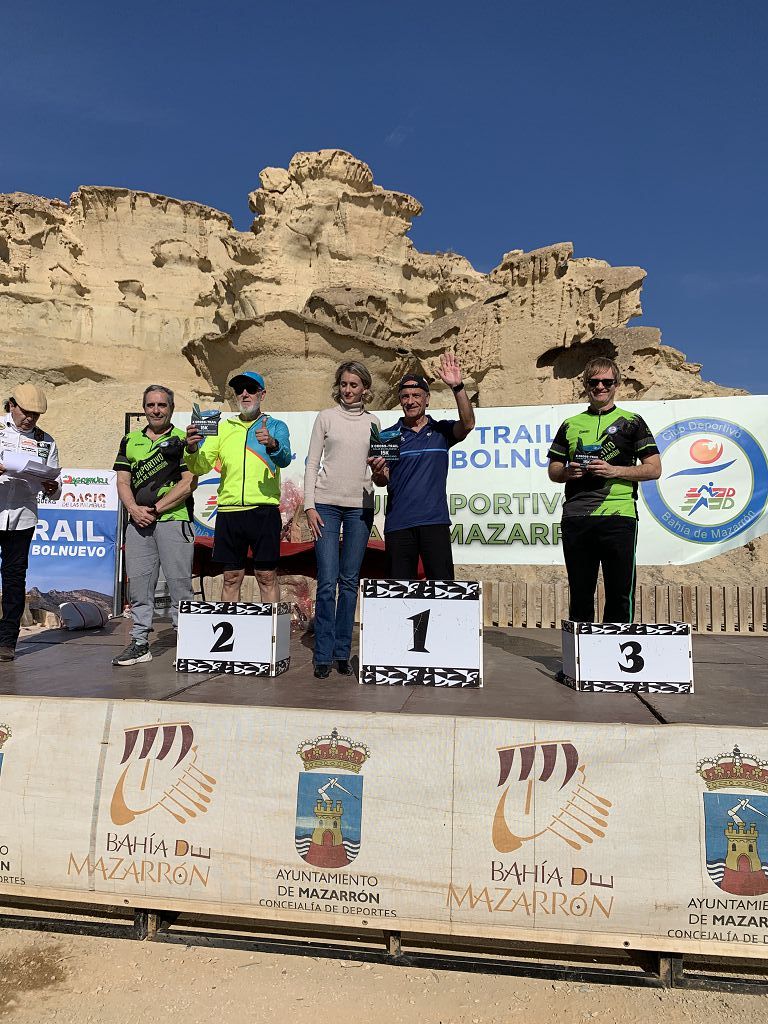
x,y
456,388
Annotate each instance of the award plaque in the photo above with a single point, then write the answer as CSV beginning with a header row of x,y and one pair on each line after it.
x,y
205,421
385,444
586,453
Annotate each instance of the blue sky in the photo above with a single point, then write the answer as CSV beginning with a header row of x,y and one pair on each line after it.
x,y
636,131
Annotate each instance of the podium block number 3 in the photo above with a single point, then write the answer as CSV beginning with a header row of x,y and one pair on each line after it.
x,y
224,642
634,661
420,626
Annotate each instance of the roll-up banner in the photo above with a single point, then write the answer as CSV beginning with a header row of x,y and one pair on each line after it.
x,y
74,549
504,510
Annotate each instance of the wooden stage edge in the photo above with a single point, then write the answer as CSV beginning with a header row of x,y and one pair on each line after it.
x,y
730,673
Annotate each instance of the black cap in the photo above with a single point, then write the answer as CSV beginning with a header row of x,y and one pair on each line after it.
x,y
413,380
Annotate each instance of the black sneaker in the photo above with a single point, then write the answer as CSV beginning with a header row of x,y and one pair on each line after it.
x,y
7,653
344,668
322,671
135,653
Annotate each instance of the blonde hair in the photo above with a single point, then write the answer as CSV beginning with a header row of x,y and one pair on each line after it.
x,y
597,363
360,370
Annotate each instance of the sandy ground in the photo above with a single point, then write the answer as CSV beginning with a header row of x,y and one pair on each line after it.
x,y
88,980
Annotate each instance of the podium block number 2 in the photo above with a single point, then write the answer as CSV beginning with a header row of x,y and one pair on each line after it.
x,y
634,662
225,641
420,626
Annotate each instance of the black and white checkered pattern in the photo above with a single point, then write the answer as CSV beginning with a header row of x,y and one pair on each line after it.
x,y
397,675
444,590
229,668
226,608
628,628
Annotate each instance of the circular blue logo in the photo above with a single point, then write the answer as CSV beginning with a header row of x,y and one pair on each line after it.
x,y
714,482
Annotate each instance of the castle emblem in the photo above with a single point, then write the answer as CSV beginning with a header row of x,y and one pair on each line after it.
x,y
549,795
734,819
5,734
329,800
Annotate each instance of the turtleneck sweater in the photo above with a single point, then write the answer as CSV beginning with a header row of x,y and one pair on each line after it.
x,y
340,440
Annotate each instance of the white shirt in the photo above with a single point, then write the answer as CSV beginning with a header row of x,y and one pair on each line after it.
x,y
18,497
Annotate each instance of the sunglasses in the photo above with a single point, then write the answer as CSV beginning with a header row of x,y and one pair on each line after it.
x,y
252,389
607,382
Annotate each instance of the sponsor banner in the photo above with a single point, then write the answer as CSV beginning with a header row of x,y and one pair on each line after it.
x,y
74,548
504,510
513,829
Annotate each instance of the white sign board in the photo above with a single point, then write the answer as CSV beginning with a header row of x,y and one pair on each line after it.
x,y
235,637
421,632
613,657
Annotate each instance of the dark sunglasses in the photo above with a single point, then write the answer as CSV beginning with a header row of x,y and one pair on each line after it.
x,y
252,389
607,382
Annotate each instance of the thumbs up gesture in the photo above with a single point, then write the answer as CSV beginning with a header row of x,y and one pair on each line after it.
x,y
264,437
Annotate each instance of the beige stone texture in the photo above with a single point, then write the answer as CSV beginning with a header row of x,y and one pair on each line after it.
x,y
120,288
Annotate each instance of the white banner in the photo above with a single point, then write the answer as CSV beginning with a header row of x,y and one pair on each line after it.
x,y
650,837
711,497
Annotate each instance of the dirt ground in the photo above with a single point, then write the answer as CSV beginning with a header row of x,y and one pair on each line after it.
x,y
88,980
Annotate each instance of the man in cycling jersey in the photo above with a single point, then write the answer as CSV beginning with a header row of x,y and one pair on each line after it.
x,y
600,455
250,449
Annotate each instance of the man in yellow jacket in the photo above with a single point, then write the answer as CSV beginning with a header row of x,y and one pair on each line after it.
x,y
250,450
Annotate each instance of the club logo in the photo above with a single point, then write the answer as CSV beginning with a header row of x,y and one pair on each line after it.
x,y
207,504
5,734
735,818
329,800
161,770
714,482
550,782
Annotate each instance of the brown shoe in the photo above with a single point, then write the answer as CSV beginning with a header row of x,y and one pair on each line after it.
x,y
7,653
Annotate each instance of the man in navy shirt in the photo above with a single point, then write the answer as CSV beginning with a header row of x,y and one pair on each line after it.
x,y
417,522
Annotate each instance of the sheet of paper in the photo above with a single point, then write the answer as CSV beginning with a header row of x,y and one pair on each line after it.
x,y
20,464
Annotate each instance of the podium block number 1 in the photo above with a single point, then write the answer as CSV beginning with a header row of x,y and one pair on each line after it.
x,y
420,627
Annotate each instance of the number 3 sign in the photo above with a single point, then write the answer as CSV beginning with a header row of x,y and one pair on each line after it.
x,y
421,632
612,657
235,638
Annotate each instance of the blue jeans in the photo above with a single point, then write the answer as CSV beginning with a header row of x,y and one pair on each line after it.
x,y
338,567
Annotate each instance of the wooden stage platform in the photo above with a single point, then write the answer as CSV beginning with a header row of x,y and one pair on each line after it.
x,y
731,680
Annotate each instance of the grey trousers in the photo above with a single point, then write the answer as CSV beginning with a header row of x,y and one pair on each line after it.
x,y
169,544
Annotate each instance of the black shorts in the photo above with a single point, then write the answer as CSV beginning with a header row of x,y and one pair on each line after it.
x,y
255,528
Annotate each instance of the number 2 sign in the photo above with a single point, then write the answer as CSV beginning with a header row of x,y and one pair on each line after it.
x,y
236,638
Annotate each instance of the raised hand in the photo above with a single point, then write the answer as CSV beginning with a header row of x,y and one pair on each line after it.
x,y
449,370
263,436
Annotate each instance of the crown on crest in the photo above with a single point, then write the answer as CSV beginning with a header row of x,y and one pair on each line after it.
x,y
5,733
734,769
333,751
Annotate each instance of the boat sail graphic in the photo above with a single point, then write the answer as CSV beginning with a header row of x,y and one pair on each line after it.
x,y
185,790
578,816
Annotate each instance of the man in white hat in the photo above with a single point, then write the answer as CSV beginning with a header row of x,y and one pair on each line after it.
x,y
20,434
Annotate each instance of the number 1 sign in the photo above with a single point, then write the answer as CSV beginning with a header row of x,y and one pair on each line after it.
x,y
638,657
233,637
421,632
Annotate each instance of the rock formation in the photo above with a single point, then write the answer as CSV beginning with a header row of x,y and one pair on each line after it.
x,y
122,288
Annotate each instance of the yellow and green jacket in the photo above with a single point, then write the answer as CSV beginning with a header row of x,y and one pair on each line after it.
x,y
250,475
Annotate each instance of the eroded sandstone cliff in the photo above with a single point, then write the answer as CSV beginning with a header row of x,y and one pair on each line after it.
x,y
118,289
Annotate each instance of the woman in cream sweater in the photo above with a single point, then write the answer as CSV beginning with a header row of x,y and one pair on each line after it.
x,y
338,499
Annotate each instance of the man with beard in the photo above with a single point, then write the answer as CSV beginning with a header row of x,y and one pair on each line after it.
x,y
249,449
156,489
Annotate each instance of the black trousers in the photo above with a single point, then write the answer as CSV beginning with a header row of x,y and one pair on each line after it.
x,y
14,556
590,542
432,543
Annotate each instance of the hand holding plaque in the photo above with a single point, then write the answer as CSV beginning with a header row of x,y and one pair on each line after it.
x,y
385,444
206,421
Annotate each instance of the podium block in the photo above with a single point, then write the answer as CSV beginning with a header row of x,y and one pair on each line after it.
x,y
421,633
234,637
634,657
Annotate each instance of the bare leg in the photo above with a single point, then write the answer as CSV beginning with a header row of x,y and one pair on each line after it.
x,y
233,581
269,587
